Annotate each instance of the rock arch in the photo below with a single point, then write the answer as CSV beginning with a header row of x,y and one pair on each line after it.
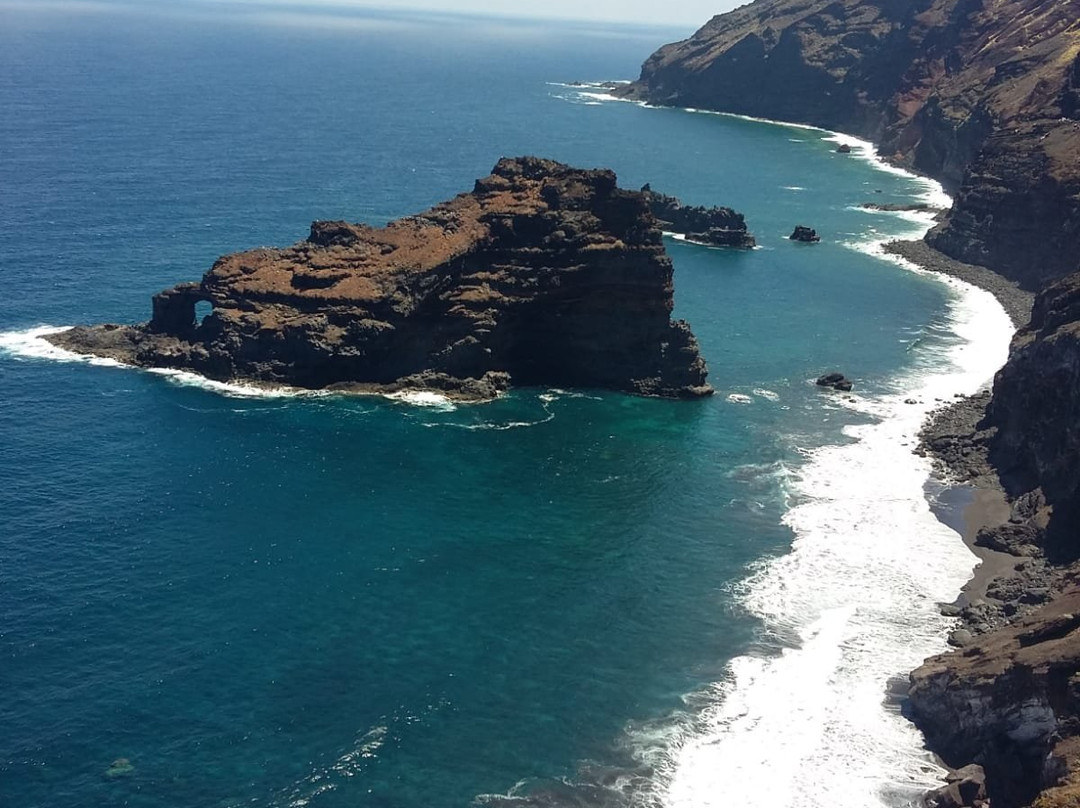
x,y
174,309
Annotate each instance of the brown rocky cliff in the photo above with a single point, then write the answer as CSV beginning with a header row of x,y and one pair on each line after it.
x,y
984,96
1011,701
1036,411
543,274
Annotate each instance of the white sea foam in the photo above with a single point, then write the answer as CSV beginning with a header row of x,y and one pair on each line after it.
x,y
740,398
423,398
932,193
814,720
768,395
854,603
856,598
31,344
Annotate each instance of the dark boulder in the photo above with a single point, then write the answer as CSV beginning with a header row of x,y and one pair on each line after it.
x,y
804,234
836,381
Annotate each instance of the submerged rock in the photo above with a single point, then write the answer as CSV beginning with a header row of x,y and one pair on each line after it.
x,y
843,148
120,767
544,275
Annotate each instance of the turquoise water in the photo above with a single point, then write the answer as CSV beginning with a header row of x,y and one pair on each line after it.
x,y
355,602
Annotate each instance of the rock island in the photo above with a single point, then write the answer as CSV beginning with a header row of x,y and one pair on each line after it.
x,y
542,275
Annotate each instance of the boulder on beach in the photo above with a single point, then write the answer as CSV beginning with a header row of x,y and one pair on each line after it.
x,y
807,235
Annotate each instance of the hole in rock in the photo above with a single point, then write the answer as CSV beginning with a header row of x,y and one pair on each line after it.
x,y
202,311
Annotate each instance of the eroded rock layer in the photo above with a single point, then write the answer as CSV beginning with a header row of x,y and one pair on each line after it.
x,y
984,96
543,275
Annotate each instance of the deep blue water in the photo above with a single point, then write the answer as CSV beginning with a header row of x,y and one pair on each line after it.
x,y
354,602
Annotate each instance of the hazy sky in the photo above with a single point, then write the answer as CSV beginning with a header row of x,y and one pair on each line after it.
x,y
679,12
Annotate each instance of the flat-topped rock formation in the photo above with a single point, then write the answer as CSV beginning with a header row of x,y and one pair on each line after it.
x,y
542,275
982,96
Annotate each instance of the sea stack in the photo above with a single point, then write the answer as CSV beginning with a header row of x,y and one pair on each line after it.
x,y
542,275
807,235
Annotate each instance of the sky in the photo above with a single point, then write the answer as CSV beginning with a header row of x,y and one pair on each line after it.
x,y
693,13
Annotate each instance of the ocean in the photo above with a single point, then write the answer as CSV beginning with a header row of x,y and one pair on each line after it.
x,y
561,598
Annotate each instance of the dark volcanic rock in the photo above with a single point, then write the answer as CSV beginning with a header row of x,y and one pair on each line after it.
x,y
1036,412
716,227
843,148
1012,701
1011,698
983,96
804,234
837,381
544,274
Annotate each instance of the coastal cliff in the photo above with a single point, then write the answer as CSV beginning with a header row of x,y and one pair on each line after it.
x,y
542,275
984,96
1035,410
1010,698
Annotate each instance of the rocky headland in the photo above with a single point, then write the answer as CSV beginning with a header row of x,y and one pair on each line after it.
x,y
542,275
984,97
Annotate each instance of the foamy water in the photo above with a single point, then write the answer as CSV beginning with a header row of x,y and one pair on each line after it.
x,y
859,591
30,343
855,602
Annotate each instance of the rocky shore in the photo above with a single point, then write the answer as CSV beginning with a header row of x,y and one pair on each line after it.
x,y
542,275
986,99
1016,301
1009,699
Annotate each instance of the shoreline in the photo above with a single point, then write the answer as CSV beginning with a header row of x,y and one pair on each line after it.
x,y
1017,302
969,496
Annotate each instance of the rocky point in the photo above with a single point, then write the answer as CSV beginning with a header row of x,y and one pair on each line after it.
x,y
542,275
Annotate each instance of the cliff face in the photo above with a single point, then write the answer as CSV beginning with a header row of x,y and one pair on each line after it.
x,y
1010,699
544,274
1012,702
1036,410
985,96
